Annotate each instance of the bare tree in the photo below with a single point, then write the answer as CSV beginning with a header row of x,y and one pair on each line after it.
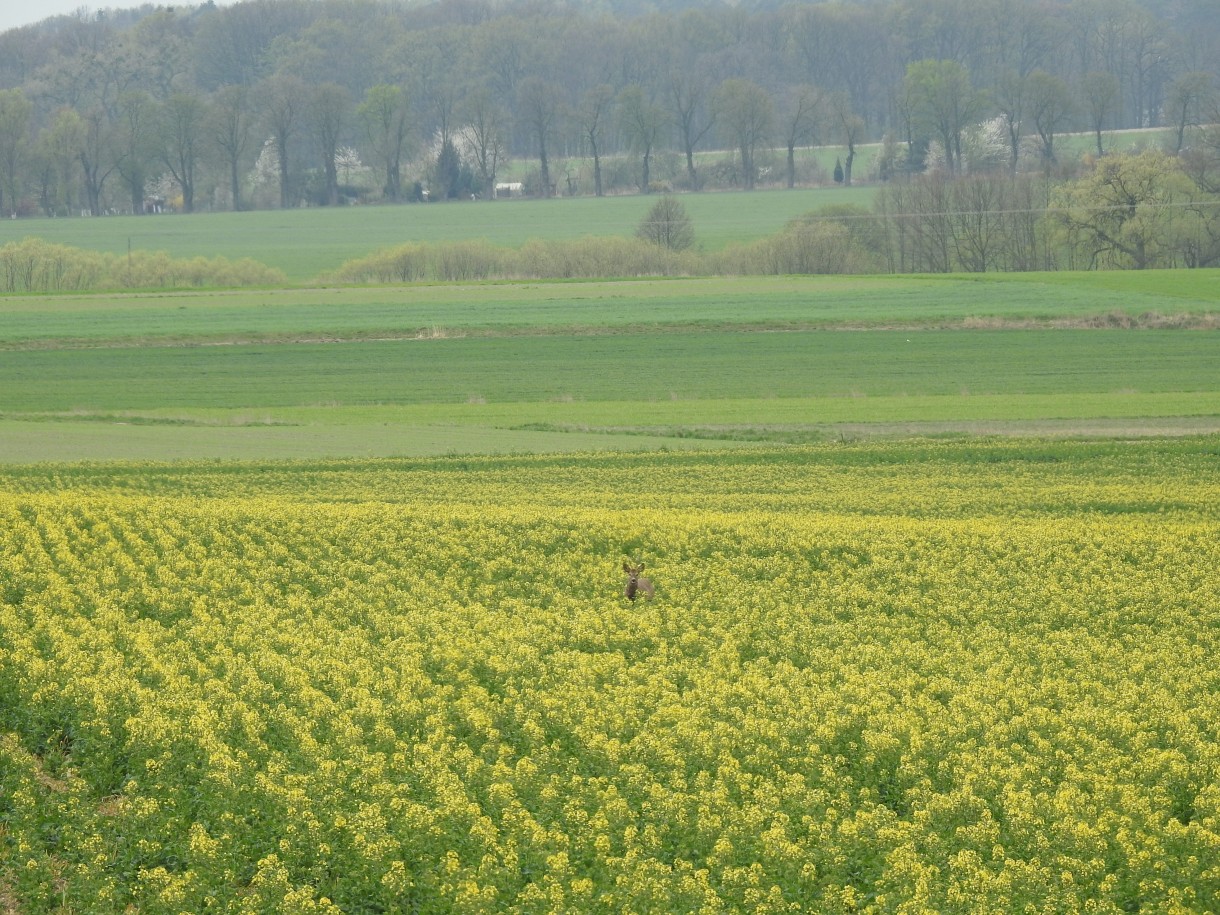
x,y
484,134
1022,36
667,225
979,221
689,95
135,143
385,116
641,122
1100,96
95,156
230,121
1009,98
802,109
745,111
16,112
182,141
594,115
328,107
850,127
1202,160
430,84
539,108
1050,105
1187,101
283,102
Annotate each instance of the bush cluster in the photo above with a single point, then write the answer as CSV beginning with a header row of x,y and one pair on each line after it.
x,y
589,258
806,245
35,265
593,257
461,260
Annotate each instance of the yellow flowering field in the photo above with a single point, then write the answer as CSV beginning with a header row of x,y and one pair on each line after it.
x,y
913,677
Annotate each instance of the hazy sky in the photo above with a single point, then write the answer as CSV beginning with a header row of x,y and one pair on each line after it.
x,y
24,12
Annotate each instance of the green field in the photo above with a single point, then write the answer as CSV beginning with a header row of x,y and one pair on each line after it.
x,y
308,242
345,313
314,370
644,367
426,369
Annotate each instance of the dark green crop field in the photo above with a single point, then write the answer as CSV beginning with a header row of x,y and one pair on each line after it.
x,y
579,366
606,306
670,365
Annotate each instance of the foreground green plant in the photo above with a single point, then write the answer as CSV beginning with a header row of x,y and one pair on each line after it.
x,y
949,677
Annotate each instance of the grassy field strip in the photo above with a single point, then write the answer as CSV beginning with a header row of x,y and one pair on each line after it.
x,y
437,429
37,442
820,410
642,368
563,393
741,412
504,367
606,305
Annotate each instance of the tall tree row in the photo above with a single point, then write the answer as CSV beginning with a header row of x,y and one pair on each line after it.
x,y
275,102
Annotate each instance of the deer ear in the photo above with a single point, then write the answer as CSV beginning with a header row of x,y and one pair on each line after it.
x,y
626,568
641,567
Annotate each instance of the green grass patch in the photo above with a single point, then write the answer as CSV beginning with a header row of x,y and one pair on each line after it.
x,y
639,367
546,366
597,392
135,439
434,429
602,306
306,243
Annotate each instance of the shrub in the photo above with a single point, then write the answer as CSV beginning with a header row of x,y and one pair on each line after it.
x,y
805,246
34,265
459,261
157,270
468,260
592,257
402,264
667,225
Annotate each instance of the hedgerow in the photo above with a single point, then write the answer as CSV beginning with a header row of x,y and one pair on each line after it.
x,y
35,265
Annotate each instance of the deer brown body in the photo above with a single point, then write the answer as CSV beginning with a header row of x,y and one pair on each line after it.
x,y
635,584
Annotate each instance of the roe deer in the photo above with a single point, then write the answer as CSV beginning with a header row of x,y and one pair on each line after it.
x,y
635,584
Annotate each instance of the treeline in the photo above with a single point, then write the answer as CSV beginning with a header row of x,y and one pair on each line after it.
x,y
279,103
1132,212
